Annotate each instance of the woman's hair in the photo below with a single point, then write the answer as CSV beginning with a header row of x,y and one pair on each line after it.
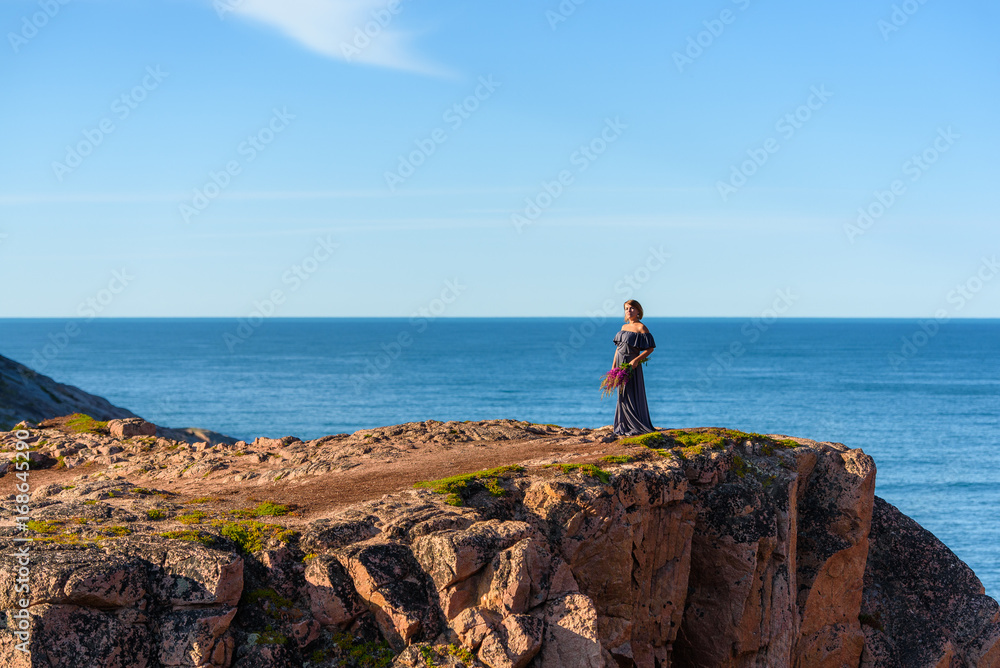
x,y
636,305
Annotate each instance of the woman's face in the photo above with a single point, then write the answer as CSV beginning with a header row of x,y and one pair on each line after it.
x,y
631,312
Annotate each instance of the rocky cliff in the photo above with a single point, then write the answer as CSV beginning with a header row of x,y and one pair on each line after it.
x,y
26,394
705,547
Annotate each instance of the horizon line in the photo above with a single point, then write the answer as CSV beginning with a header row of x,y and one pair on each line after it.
x,y
486,317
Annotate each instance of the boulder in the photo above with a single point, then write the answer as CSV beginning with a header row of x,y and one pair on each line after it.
x,y
128,427
389,579
513,643
332,599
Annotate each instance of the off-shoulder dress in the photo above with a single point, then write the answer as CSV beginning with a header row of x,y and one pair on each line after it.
x,y
632,412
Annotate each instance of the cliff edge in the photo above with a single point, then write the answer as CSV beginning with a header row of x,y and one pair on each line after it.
x,y
701,547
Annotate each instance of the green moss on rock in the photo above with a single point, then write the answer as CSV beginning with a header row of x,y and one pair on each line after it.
x,y
586,469
84,424
250,536
460,488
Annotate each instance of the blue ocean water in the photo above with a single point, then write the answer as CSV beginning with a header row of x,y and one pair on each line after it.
x,y
922,400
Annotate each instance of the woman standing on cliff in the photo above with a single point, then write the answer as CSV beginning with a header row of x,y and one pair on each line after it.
x,y
634,344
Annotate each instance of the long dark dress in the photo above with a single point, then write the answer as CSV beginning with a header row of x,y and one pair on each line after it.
x,y
632,412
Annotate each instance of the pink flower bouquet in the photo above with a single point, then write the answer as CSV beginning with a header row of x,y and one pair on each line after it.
x,y
616,378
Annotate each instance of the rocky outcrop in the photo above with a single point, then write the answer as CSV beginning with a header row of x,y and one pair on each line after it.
x,y
135,603
28,395
702,548
922,606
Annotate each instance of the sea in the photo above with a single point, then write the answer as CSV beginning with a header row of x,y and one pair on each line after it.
x,y
921,397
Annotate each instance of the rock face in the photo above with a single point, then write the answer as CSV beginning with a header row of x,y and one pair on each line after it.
x,y
909,623
743,550
28,395
138,603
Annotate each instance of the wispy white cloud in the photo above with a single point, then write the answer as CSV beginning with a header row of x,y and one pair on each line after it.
x,y
357,31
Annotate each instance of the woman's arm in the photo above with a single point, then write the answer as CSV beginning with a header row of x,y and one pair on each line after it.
x,y
641,356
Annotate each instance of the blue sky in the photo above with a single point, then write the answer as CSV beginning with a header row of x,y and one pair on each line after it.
x,y
200,158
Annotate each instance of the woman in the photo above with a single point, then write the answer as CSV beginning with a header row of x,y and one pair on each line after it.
x,y
635,344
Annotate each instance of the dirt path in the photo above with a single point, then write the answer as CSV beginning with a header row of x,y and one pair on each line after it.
x,y
366,465
323,494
